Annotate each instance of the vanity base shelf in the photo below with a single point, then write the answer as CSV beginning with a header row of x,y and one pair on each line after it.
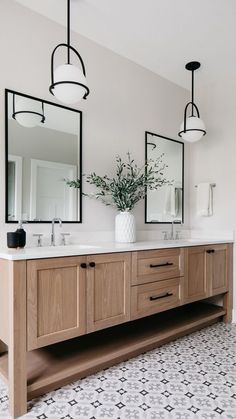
x,y
60,364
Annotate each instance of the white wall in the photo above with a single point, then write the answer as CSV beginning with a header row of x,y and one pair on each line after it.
x,y
125,100
213,159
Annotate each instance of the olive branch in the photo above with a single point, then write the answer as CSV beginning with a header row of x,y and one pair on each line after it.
x,y
129,185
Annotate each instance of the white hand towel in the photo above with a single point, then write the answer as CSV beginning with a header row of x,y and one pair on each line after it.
x,y
170,201
204,200
173,200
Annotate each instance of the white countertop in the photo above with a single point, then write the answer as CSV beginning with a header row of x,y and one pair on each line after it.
x,y
98,248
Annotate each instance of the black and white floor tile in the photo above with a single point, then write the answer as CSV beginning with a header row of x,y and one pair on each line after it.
x,y
192,377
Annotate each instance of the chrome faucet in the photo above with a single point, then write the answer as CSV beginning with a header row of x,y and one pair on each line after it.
x,y
172,235
54,220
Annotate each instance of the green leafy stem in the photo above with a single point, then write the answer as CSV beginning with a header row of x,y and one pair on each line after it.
x,y
129,185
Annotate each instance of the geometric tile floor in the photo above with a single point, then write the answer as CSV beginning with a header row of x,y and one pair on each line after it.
x,y
192,377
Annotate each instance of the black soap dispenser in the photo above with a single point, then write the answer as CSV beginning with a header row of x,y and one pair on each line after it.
x,y
21,235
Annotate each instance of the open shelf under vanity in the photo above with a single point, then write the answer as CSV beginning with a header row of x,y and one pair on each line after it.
x,y
59,364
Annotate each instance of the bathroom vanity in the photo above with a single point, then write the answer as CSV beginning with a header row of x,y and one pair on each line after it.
x,y
71,311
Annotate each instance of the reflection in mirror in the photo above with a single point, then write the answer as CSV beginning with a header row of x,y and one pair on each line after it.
x,y
166,204
43,148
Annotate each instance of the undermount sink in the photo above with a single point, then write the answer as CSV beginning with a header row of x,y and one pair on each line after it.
x,y
68,247
80,246
185,240
192,240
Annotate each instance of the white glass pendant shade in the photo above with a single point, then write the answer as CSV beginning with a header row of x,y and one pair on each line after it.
x,y
196,125
69,93
30,112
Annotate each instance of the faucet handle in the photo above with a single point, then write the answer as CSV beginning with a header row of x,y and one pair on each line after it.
x,y
177,235
63,238
165,234
39,241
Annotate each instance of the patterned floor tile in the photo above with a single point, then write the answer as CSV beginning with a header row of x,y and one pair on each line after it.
x,y
192,377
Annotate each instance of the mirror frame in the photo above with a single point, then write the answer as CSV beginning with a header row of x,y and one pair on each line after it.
x,y
7,91
175,141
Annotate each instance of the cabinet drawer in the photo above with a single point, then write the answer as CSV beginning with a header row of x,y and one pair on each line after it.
x,y
156,265
155,297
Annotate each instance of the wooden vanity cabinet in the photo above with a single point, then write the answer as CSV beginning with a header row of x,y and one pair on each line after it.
x,y
72,296
45,302
56,300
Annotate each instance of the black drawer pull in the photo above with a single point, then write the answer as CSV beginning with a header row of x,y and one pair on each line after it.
x,y
157,297
92,264
161,264
83,265
210,251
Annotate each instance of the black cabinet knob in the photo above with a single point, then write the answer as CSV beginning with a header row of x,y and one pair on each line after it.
x,y
92,264
83,265
210,251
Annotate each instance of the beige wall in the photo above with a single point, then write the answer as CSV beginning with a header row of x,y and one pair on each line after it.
x,y
125,100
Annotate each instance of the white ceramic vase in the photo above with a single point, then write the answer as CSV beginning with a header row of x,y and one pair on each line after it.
x,y
125,229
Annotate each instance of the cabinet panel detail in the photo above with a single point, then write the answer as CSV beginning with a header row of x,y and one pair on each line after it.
x,y
56,300
206,271
216,268
195,278
108,290
155,297
157,265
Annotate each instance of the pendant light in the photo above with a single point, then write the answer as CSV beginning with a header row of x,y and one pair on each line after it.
x,y
192,128
68,82
28,112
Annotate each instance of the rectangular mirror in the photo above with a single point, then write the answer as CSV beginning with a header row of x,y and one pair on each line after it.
x,y
43,148
166,203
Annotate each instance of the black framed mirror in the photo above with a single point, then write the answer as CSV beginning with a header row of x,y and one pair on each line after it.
x,y
43,148
166,204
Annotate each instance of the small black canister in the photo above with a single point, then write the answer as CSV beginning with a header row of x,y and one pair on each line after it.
x,y
12,240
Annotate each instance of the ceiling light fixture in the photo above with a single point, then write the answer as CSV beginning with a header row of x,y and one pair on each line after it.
x,y
68,81
192,128
27,112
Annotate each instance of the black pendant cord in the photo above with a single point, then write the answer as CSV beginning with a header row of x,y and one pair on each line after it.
x,y
68,31
192,92
14,106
